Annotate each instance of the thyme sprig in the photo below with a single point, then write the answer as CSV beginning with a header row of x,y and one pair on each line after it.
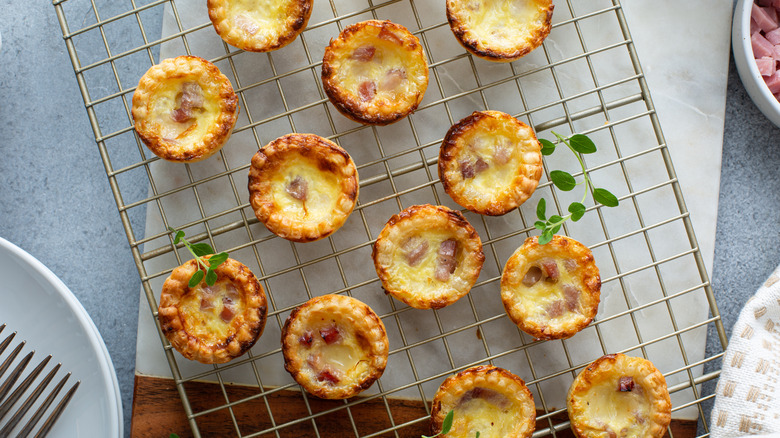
x,y
579,144
206,267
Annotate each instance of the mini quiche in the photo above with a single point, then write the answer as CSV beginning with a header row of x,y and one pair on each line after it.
x,y
375,72
500,30
619,396
259,25
428,256
302,186
488,400
213,324
334,346
184,109
490,162
551,291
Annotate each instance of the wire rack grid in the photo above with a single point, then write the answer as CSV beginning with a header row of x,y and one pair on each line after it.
x,y
585,78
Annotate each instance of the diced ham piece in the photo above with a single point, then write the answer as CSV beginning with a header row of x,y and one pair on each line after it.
x,y
776,4
330,334
570,265
298,188
367,90
754,27
467,169
571,297
764,2
191,97
489,395
446,263
364,53
773,82
480,165
555,309
392,79
329,375
533,276
388,35
306,338
210,291
415,250
773,36
550,268
501,154
761,46
206,304
766,18
766,66
626,384
246,24
227,314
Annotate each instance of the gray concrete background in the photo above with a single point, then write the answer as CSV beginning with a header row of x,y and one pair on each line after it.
x,y
56,204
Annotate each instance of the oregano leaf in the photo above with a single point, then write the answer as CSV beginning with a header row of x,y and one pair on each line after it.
x,y
577,210
563,180
545,238
211,277
556,229
548,147
178,237
582,144
539,225
201,249
605,197
541,210
217,259
196,278
447,424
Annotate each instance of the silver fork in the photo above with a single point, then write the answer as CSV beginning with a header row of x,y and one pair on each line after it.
x,y
9,398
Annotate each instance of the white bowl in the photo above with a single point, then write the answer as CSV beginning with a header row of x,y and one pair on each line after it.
x,y
746,64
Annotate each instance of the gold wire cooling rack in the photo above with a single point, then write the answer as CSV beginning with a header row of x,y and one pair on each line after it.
x,y
656,297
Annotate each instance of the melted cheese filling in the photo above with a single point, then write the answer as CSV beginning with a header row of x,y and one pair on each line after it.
x,y
167,98
486,146
323,190
207,324
346,354
537,299
621,411
503,22
423,271
387,57
262,16
480,415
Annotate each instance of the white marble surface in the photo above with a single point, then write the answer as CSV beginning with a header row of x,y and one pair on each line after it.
x,y
684,52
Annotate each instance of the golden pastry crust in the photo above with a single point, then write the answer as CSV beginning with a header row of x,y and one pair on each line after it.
x,y
619,396
500,30
213,324
258,25
334,346
428,256
488,400
302,186
551,291
184,109
375,72
490,162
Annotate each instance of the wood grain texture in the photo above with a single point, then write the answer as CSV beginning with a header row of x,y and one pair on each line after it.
x,y
158,412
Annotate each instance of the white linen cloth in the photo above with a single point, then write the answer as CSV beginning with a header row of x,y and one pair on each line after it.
x,y
747,398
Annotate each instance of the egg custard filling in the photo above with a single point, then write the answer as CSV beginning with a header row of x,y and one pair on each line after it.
x,y
485,399
334,346
259,25
551,291
428,256
210,309
302,186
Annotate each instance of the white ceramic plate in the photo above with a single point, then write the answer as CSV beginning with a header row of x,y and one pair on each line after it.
x,y
44,312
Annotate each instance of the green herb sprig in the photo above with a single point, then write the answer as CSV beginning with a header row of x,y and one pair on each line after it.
x,y
199,250
446,425
579,144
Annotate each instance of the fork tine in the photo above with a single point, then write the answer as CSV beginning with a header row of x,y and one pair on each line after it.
x,y
17,394
2,327
14,376
49,423
28,403
3,345
27,429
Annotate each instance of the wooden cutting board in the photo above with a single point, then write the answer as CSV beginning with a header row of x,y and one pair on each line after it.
x,y
158,412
